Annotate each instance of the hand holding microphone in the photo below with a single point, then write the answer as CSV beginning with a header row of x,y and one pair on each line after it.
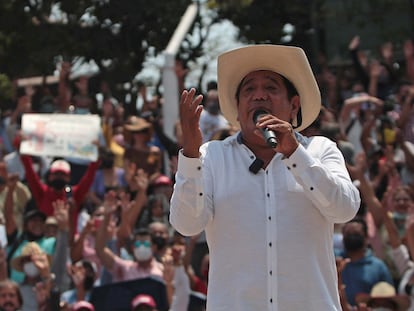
x,y
268,135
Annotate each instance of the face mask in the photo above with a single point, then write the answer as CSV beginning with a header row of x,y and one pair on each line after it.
x,y
142,253
88,282
213,107
30,269
159,241
81,111
58,184
400,220
353,241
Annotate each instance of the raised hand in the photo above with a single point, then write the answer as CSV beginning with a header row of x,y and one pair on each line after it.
x,y
190,111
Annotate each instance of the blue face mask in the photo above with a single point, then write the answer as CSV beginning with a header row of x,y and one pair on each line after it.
x,y
399,220
81,111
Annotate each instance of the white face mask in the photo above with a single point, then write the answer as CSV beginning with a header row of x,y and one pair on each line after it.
x,y
30,269
142,253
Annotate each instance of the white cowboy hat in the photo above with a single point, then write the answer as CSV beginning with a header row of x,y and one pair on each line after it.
x,y
290,62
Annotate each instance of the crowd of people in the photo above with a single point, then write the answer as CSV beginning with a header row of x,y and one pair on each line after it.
x,y
76,229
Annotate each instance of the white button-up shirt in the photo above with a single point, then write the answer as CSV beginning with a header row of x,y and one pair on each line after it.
x,y
270,234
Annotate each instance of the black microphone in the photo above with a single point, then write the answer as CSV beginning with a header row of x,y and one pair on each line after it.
x,y
268,135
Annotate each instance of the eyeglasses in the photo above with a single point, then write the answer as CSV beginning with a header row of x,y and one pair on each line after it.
x,y
145,243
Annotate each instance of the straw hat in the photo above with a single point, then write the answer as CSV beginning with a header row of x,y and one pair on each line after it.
x,y
31,248
384,291
290,62
136,124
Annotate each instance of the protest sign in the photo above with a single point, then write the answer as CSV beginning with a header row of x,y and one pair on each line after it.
x,y
60,135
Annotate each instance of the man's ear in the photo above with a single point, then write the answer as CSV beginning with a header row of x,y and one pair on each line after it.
x,y
294,113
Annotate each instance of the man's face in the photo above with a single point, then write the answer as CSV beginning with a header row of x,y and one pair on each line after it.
x,y
35,226
8,299
264,90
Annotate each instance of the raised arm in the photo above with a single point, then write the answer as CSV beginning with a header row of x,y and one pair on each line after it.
x,y
106,256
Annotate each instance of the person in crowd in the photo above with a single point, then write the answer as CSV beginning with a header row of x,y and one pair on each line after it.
x,y
143,265
33,224
160,238
11,298
83,274
211,118
364,269
107,177
143,302
277,206
138,134
83,306
383,297
21,194
58,184
34,231
35,264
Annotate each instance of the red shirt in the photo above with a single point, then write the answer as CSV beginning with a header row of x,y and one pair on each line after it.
x,y
45,195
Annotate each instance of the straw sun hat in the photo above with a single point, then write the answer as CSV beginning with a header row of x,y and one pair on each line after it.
x,y
384,291
31,248
290,62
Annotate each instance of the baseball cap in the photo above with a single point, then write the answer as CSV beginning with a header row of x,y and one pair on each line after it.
x,y
143,299
83,306
60,166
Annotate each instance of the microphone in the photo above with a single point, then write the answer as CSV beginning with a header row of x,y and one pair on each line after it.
x,y
268,135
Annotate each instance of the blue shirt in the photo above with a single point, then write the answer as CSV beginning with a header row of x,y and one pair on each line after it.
x,y
361,275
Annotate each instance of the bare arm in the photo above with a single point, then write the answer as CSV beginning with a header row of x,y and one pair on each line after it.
x,y
106,256
132,209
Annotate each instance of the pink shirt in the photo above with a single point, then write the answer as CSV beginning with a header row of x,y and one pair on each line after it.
x,y
126,270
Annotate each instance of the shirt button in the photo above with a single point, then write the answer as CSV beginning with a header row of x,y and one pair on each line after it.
x,y
200,194
294,165
311,188
270,217
268,195
270,272
199,167
271,300
252,157
288,168
270,244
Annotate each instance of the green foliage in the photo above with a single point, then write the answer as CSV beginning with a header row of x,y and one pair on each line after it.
x,y
6,88
31,37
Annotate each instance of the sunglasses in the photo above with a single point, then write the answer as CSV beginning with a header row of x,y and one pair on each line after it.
x,y
145,243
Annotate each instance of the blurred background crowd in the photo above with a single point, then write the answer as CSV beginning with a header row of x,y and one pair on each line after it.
x,y
94,235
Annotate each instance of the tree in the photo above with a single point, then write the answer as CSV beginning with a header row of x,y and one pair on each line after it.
x,y
114,33
320,25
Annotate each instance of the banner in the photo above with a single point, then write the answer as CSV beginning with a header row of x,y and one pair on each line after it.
x,y
60,135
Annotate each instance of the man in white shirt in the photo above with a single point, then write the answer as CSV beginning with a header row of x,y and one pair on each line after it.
x,y
268,209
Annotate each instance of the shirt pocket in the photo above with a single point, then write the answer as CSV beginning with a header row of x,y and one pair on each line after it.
x,y
291,183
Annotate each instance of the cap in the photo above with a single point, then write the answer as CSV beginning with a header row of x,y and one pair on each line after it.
x,y
162,180
143,299
32,213
83,305
60,166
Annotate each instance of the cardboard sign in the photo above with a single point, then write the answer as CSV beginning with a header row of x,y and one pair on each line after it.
x,y
61,135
